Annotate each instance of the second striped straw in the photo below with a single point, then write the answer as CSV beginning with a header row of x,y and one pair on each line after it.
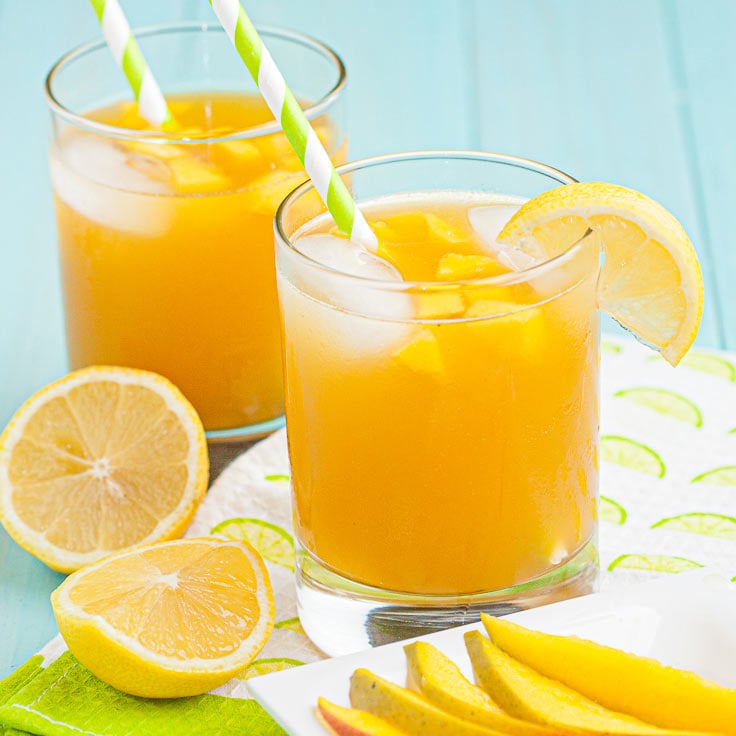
x,y
129,57
294,123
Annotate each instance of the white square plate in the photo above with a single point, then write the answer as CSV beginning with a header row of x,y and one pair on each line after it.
x,y
687,621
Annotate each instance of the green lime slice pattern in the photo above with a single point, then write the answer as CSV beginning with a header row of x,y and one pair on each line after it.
x,y
654,563
270,541
725,476
631,455
610,347
714,365
292,624
711,525
280,478
664,402
610,511
267,666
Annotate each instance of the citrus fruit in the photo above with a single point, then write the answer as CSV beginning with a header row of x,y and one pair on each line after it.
x,y
170,619
100,460
631,455
651,281
664,402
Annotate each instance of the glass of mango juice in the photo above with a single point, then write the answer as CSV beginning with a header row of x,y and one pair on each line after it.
x,y
166,236
441,401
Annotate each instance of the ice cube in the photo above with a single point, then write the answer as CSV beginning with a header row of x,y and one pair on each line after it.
x,y
359,317
488,223
346,256
338,336
361,296
118,188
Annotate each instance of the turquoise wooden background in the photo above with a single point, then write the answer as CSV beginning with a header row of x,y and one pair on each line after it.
x,y
637,92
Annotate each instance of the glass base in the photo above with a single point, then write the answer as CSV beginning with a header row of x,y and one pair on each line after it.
x,y
249,432
341,616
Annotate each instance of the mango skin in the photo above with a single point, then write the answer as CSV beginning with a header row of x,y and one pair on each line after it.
x,y
665,696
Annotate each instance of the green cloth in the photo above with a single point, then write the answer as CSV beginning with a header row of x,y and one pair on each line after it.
x,y
65,698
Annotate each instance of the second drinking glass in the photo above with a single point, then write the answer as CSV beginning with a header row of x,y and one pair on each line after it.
x,y
165,238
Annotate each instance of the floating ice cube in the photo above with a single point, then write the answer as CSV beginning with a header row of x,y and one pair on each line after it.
x,y
488,223
346,256
357,317
354,295
118,188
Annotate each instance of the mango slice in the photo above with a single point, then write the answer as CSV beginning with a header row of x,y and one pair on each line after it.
x,y
441,682
665,696
525,694
189,174
457,266
422,354
406,710
435,304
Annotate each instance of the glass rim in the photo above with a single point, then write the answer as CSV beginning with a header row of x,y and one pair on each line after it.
x,y
161,137
504,279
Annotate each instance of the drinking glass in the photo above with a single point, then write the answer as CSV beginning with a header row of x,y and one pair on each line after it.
x,y
165,237
441,466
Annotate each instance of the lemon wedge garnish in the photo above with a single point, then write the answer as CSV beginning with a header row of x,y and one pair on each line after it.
x,y
651,281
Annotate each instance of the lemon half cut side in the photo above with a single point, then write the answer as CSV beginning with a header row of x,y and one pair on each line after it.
x,y
170,619
101,460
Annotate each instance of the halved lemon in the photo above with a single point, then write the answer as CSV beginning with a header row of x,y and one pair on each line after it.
x,y
651,280
101,460
170,619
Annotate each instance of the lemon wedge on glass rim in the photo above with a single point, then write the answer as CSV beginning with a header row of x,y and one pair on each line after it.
x,y
651,282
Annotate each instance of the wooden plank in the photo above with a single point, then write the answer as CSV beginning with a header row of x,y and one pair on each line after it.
x,y
27,620
589,87
407,88
702,40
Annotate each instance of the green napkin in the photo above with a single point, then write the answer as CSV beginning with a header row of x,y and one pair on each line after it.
x,y
668,439
61,697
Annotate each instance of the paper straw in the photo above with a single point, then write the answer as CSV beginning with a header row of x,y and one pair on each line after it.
x,y
128,56
297,128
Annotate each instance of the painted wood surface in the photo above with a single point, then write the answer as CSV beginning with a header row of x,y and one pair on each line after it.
x,y
638,92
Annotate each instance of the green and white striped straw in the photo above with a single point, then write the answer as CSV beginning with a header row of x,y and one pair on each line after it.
x,y
128,56
297,128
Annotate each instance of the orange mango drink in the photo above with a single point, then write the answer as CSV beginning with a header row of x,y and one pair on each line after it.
x,y
442,398
166,248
